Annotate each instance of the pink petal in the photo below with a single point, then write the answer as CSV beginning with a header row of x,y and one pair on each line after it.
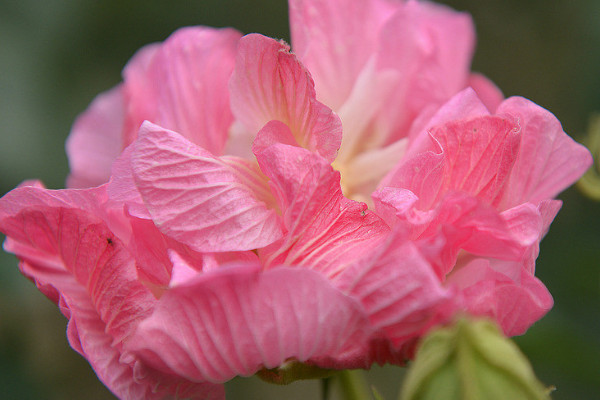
x,y
516,303
72,254
474,156
478,155
463,106
138,92
324,230
207,203
549,160
153,252
270,84
183,87
122,189
432,57
95,140
238,320
398,289
335,39
463,222
487,91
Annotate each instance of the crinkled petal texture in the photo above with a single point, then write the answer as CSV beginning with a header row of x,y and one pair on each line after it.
x,y
480,183
268,84
548,161
400,292
385,67
237,320
514,302
206,202
323,230
73,256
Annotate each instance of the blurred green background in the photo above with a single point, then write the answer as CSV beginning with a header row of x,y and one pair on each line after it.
x,y
55,56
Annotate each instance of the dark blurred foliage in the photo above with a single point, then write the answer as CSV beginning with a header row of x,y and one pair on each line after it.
x,y
56,55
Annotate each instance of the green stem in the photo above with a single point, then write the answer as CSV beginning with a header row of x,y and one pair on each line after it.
x,y
325,384
353,384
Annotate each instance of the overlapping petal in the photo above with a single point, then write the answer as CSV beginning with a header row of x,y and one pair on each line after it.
x,y
66,248
548,160
182,86
400,291
237,320
323,229
95,140
335,39
489,289
202,201
269,83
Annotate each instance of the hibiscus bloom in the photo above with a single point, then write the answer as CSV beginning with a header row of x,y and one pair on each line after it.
x,y
222,236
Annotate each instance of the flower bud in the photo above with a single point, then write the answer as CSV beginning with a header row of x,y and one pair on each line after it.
x,y
471,360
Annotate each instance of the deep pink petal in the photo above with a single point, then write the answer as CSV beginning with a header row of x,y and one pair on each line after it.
x,y
478,155
183,86
70,252
237,320
153,254
548,161
323,229
462,106
474,156
95,140
516,303
207,203
269,83
335,39
463,222
398,288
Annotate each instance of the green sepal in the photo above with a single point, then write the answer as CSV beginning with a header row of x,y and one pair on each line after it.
x,y
471,360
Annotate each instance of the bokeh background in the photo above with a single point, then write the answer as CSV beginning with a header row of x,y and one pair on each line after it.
x,y
56,55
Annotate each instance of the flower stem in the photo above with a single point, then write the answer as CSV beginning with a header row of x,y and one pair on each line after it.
x,y
353,385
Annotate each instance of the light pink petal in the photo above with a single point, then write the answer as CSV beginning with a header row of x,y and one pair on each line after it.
x,y
269,83
202,201
516,303
237,320
323,229
95,140
430,46
398,288
335,39
533,222
138,92
73,256
184,88
548,161
487,91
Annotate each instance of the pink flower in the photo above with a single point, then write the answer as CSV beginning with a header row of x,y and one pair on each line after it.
x,y
219,233
484,185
